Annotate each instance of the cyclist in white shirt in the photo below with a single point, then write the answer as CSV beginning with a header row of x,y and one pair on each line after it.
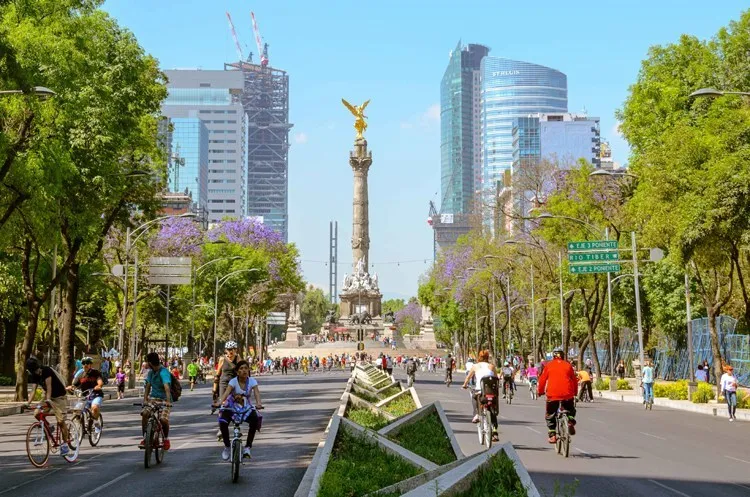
x,y
237,396
479,371
729,387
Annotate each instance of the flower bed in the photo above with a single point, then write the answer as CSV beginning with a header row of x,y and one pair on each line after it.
x,y
496,479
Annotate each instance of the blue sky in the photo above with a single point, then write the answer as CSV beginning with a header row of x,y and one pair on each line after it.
x,y
395,52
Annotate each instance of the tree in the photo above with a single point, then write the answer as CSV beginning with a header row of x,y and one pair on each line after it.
x,y
314,307
408,318
393,305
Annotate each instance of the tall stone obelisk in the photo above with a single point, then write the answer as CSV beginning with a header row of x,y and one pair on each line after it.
x,y
360,295
360,159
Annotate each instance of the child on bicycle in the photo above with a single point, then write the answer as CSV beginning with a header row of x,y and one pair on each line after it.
x,y
237,399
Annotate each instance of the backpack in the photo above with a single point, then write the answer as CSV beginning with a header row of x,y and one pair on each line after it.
x,y
175,388
411,368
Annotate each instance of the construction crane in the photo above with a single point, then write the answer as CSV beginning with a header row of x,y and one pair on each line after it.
x,y
262,48
236,40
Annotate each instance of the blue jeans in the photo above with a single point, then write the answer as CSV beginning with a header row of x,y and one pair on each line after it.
x,y
648,392
731,398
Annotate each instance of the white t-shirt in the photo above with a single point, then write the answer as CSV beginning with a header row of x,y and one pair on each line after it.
x,y
250,383
481,370
728,382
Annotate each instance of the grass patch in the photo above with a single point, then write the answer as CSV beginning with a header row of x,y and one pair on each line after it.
x,y
366,418
497,479
358,467
391,391
402,405
382,384
427,438
362,394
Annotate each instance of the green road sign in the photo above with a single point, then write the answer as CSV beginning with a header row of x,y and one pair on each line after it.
x,y
594,268
593,256
595,245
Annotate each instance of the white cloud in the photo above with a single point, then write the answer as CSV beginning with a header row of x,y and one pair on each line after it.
x,y
432,113
426,119
300,138
615,131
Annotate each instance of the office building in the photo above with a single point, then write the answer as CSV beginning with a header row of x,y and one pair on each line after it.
x,y
265,99
512,89
209,131
566,138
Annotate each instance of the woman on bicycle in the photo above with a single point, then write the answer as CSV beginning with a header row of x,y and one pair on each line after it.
x,y
226,368
479,371
237,398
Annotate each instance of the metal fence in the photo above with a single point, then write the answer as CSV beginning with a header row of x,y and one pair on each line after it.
x,y
671,362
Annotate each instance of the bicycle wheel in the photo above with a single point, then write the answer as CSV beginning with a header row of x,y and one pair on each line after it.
x,y
487,422
480,432
236,459
158,443
559,443
564,436
74,445
148,441
94,435
37,444
78,422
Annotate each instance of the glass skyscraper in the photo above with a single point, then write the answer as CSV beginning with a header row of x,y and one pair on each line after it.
x,y
512,89
460,155
188,161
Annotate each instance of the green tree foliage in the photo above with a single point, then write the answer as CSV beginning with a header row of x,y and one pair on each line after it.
x,y
393,305
314,307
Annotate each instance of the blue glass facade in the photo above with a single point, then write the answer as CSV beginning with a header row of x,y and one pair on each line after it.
x,y
198,96
513,89
188,170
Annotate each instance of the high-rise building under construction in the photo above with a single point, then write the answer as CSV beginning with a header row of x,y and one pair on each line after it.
x,y
265,99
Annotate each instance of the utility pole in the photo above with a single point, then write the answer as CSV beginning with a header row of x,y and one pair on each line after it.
x,y
333,255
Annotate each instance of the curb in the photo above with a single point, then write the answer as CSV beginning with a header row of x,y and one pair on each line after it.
x,y
681,405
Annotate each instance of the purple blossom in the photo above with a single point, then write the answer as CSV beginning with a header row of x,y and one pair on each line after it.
x,y
178,237
247,232
274,270
412,311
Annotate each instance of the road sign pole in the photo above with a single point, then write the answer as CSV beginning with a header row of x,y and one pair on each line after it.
x,y
562,327
637,304
609,310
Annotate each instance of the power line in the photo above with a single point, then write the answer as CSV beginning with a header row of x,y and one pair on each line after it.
x,y
425,260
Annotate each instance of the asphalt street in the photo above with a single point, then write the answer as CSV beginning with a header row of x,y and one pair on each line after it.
x,y
297,410
619,449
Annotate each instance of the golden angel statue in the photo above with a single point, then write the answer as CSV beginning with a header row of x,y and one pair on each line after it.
x,y
359,112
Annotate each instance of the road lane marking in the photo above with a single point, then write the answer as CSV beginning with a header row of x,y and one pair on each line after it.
x,y
30,481
101,487
740,460
669,488
597,421
652,436
532,429
184,445
582,451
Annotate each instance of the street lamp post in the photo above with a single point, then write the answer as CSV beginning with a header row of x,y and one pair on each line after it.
x,y
196,273
713,92
219,283
637,304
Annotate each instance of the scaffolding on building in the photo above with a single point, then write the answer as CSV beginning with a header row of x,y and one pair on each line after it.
x,y
265,100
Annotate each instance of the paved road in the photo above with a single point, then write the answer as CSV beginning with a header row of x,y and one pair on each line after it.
x,y
297,411
620,449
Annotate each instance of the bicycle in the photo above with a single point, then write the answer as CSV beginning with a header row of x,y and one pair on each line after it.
x,y
585,394
83,418
41,438
648,403
563,432
236,442
154,435
532,388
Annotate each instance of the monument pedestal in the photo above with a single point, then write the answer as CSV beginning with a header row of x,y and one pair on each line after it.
x,y
358,303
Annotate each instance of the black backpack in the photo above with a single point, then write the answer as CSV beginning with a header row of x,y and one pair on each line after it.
x,y
411,368
175,388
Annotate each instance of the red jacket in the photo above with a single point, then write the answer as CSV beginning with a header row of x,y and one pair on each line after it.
x,y
559,379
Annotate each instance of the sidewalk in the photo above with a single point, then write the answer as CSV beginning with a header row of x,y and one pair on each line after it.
x,y
713,408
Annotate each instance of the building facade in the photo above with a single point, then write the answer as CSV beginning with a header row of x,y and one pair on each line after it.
x,y
265,99
566,138
209,103
511,89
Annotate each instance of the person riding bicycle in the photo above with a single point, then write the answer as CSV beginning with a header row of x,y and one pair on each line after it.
x,y
508,374
560,383
55,396
449,365
237,398
156,390
226,368
584,378
90,379
480,370
193,370
647,381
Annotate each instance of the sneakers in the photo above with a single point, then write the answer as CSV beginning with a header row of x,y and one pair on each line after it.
x,y
552,438
97,429
225,454
731,419
571,428
246,453
64,449
142,444
475,419
166,445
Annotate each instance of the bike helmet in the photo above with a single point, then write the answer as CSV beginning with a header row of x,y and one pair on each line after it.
x,y
32,364
231,344
87,360
506,364
558,352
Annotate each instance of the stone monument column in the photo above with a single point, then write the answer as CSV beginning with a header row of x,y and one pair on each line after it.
x,y
360,160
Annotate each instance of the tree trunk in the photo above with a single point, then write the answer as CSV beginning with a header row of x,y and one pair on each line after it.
x,y
9,329
582,346
566,325
715,345
67,331
26,348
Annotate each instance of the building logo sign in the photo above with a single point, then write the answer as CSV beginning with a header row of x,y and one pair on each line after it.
x,y
506,73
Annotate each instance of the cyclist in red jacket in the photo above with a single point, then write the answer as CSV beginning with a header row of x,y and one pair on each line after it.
x,y
560,383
